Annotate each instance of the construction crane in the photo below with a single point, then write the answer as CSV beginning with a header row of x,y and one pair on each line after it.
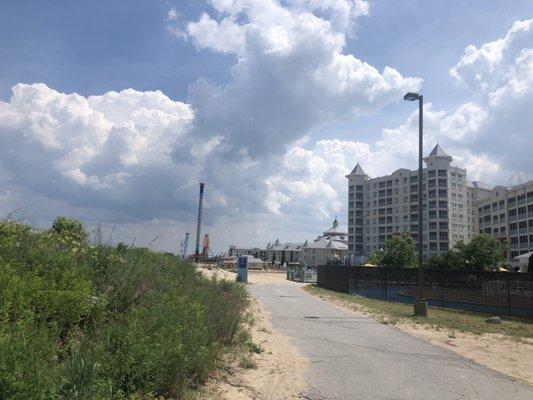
x,y
183,245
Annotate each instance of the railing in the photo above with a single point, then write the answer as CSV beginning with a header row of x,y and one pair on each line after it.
x,y
301,274
490,292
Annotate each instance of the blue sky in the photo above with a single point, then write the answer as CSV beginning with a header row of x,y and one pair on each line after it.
x,y
93,48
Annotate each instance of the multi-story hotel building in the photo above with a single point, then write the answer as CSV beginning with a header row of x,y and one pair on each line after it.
x,y
507,214
381,207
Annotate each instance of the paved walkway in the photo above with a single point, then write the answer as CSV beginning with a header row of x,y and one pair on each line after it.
x,y
353,357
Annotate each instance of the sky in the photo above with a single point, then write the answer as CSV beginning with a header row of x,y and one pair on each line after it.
x,y
112,112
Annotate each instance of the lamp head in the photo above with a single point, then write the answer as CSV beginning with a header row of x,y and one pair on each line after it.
x,y
411,96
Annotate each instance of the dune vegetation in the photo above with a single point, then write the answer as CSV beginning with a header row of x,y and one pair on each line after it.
x,y
81,319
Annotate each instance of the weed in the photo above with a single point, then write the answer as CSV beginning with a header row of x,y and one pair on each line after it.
x,y
247,363
82,320
255,348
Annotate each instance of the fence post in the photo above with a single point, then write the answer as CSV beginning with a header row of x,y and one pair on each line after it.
x,y
508,295
442,276
347,280
386,283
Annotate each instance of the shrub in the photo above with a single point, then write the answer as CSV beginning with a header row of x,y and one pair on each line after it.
x,y
447,260
69,229
399,252
82,321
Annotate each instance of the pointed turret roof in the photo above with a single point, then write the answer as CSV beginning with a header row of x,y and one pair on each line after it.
x,y
358,170
335,223
306,243
438,151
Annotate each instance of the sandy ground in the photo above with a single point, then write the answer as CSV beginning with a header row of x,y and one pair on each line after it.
x,y
504,354
278,372
500,353
266,276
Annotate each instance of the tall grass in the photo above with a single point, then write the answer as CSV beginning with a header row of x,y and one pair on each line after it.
x,y
92,321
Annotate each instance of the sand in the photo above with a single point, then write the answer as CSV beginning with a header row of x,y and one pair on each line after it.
x,y
278,374
501,353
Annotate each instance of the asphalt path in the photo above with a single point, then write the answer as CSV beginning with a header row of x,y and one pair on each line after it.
x,y
354,357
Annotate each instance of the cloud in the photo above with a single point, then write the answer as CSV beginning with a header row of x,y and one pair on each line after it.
x,y
489,67
109,151
290,77
500,75
135,158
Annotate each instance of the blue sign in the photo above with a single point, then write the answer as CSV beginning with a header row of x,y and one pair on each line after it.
x,y
242,269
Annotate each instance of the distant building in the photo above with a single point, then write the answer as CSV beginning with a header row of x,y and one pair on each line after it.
x,y
276,253
507,214
330,245
380,207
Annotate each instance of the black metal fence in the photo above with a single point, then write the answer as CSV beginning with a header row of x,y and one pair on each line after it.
x,y
504,293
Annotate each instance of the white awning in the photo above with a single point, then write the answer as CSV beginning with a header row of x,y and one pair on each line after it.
x,y
524,256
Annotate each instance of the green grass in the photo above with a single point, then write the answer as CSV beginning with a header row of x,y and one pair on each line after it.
x,y
89,321
461,321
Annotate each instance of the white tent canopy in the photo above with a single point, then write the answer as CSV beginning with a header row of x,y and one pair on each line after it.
x,y
523,261
524,256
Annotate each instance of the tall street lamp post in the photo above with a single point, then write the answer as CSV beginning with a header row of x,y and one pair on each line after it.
x,y
420,305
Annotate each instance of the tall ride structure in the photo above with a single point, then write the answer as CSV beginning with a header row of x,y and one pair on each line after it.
x,y
183,245
205,247
199,225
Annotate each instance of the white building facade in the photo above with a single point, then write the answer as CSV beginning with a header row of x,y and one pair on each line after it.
x,y
380,207
507,214
330,246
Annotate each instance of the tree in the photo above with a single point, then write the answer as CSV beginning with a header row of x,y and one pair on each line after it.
x,y
375,257
480,253
530,264
447,260
282,257
399,251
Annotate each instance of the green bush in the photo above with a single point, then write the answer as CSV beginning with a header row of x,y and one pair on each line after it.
x,y
82,321
482,252
399,251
